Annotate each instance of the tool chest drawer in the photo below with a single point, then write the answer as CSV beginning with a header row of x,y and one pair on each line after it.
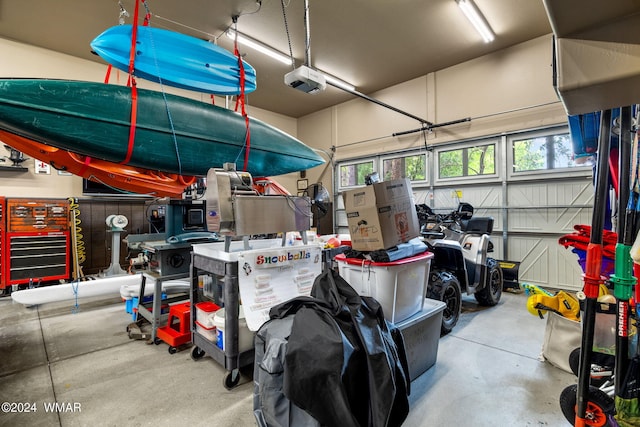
x,y
37,256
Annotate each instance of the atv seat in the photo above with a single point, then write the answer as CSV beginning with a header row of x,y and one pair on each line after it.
x,y
481,225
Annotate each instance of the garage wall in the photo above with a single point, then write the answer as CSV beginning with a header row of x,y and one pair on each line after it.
x,y
506,91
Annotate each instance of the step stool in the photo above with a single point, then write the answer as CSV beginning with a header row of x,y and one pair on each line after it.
x,y
178,329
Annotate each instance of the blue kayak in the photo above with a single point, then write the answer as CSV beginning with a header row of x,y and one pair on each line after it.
x,y
175,59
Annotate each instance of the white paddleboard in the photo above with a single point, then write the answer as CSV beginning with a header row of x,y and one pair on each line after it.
x,y
171,286
67,291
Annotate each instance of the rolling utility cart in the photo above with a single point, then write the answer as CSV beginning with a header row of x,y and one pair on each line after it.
x,y
221,287
261,273
235,210
215,281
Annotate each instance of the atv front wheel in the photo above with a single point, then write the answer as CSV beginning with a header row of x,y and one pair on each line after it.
x,y
444,286
492,290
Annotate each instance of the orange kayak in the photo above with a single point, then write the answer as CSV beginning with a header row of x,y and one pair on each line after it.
x,y
127,178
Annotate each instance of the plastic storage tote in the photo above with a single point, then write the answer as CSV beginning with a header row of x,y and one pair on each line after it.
x,y
399,286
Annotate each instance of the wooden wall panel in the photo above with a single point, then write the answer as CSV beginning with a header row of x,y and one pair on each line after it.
x,y
97,235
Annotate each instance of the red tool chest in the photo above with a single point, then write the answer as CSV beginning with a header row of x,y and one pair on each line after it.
x,y
36,241
2,243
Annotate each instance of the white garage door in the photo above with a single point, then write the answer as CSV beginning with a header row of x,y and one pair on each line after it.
x,y
532,205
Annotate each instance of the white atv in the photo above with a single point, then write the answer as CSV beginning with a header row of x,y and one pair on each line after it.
x,y
460,243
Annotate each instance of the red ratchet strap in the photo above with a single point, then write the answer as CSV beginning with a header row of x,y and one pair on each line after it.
x,y
108,75
87,160
132,127
241,101
132,82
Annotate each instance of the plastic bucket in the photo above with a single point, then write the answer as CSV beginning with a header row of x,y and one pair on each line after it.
x,y
245,336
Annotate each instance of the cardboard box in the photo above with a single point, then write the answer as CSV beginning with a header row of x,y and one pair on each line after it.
x,y
382,215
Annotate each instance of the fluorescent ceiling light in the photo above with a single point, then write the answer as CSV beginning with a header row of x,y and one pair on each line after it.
x,y
277,55
334,81
478,20
269,51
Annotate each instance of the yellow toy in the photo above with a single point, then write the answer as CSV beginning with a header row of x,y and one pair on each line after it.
x,y
541,300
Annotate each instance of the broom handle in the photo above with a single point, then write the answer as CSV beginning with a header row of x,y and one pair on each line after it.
x,y
623,279
592,278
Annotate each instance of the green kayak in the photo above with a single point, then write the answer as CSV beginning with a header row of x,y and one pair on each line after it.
x,y
172,134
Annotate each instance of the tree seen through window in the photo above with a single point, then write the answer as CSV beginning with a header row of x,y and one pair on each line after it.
x,y
354,174
412,167
547,152
470,161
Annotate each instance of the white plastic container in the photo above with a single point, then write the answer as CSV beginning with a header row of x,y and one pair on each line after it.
x,y
209,332
399,286
204,313
245,336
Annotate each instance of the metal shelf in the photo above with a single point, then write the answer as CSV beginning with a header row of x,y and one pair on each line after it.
x,y
155,316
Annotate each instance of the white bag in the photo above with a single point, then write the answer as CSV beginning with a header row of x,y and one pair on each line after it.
x,y
561,337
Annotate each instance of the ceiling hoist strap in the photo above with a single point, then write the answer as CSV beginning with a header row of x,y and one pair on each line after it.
x,y
132,83
108,74
134,38
134,34
247,142
240,101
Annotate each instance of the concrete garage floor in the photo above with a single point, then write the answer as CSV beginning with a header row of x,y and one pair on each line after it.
x,y
488,372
